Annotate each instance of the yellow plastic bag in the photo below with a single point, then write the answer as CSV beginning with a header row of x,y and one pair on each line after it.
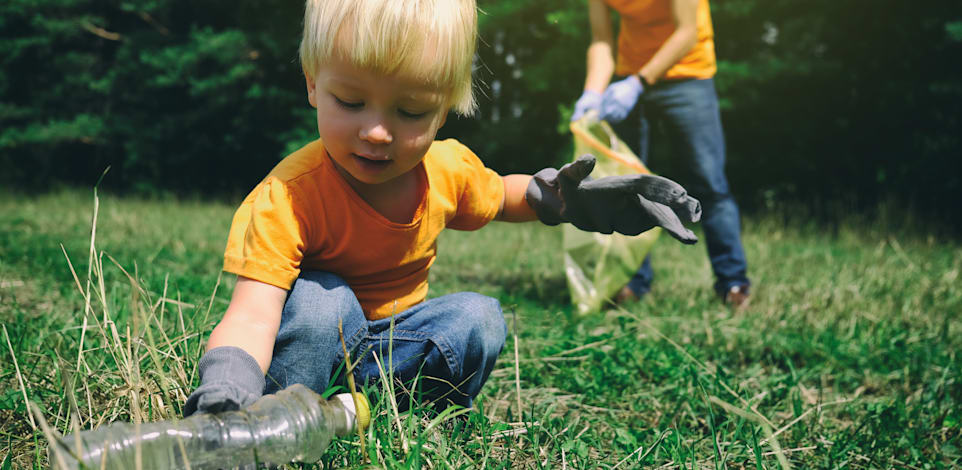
x,y
597,265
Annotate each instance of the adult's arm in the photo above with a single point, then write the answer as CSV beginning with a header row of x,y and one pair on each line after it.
x,y
600,61
252,320
685,36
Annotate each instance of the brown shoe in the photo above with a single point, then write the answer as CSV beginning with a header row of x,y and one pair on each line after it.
x,y
738,297
625,296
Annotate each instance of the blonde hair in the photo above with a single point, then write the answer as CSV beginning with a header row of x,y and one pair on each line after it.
x,y
428,40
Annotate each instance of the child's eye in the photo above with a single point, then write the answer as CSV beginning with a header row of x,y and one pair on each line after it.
x,y
348,104
411,115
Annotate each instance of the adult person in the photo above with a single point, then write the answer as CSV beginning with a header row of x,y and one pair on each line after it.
x,y
666,65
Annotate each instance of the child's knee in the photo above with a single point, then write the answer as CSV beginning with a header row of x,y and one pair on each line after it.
x,y
486,319
316,303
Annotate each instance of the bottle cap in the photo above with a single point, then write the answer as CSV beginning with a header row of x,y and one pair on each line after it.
x,y
361,413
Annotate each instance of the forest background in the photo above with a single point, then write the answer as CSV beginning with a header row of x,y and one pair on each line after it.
x,y
826,103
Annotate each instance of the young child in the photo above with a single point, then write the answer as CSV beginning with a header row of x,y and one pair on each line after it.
x,y
345,229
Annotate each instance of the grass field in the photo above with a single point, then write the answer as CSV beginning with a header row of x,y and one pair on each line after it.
x,y
846,358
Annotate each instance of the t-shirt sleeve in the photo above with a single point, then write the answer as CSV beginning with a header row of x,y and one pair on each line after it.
x,y
267,236
481,192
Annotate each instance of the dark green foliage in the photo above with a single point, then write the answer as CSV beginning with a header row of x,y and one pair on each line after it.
x,y
531,68
854,100
189,96
822,100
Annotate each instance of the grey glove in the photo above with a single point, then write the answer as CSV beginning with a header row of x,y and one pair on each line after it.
x,y
230,379
625,204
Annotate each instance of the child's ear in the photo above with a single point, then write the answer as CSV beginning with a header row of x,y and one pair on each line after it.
x,y
311,93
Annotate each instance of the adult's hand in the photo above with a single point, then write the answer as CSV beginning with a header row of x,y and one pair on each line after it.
x,y
589,101
620,97
628,204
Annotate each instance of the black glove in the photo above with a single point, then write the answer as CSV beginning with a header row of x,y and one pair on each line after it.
x,y
230,379
625,204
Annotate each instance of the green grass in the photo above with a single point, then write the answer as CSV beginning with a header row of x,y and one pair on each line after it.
x,y
846,357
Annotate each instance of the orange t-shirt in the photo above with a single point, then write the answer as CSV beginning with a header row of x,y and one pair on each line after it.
x,y
305,216
647,24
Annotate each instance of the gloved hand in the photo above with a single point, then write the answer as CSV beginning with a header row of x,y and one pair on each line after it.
x,y
620,97
590,100
230,379
625,204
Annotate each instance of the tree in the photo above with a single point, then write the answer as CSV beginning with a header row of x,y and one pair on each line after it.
x,y
822,100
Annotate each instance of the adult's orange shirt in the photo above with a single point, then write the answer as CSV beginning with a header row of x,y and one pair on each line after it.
x,y
647,24
305,216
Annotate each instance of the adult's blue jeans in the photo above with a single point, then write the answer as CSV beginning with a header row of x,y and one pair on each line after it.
x,y
451,341
687,111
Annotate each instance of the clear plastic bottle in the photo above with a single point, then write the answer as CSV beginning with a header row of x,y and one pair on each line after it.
x,y
296,424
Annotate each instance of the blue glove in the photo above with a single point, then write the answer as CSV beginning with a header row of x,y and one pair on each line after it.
x,y
620,97
230,379
590,100
628,204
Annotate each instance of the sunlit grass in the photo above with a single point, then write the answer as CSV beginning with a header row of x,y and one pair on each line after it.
x,y
846,357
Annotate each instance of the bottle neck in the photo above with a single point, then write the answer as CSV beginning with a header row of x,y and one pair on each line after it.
x,y
346,422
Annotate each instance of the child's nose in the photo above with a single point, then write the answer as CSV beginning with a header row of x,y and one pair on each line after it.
x,y
376,133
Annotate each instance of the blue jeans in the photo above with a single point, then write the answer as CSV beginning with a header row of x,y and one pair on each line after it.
x,y
451,341
688,113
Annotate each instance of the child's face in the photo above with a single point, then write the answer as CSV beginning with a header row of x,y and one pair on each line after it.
x,y
375,127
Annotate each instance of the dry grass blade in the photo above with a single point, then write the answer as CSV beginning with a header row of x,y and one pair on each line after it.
x,y
652,447
389,390
352,387
83,329
53,438
68,379
801,417
16,366
91,254
761,421
517,370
